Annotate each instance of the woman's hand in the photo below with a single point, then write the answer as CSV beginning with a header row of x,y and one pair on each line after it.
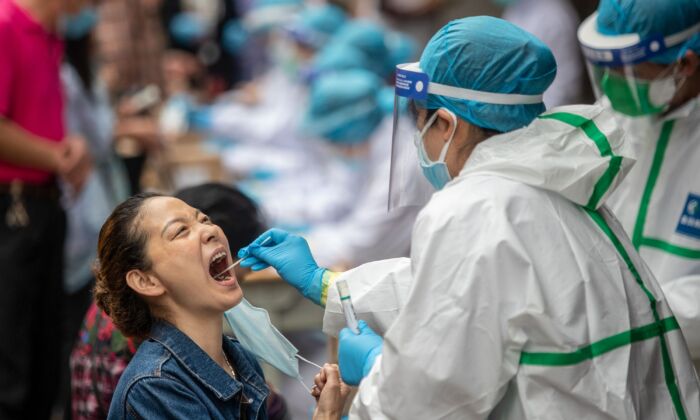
x,y
330,393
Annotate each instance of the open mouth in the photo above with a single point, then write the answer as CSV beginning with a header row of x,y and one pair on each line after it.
x,y
218,265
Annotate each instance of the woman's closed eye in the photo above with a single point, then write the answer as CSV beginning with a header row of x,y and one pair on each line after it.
x,y
180,231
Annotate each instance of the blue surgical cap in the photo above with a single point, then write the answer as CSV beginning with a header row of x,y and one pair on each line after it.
x,y
491,55
331,59
367,38
402,49
649,18
274,3
315,25
344,107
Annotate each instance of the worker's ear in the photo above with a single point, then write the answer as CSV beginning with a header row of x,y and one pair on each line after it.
x,y
144,283
690,63
445,123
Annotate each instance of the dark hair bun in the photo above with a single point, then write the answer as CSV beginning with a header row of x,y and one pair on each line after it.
x,y
120,249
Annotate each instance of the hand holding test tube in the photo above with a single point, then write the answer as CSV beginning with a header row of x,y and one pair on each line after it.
x,y
346,302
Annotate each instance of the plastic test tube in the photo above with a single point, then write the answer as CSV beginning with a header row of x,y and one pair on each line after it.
x,y
346,302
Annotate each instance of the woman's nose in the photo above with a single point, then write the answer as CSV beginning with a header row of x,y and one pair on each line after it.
x,y
209,233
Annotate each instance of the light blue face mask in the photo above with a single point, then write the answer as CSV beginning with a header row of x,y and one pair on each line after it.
x,y
76,26
437,172
256,334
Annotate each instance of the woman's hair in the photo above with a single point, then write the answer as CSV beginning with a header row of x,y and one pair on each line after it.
x,y
121,248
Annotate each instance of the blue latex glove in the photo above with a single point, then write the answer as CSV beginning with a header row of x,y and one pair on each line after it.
x,y
356,353
290,256
200,119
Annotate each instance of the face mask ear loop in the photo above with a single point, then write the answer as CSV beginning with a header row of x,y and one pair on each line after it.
x,y
683,79
308,361
428,124
301,381
446,147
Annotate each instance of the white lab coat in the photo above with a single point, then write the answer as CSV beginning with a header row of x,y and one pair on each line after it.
x,y
555,22
298,181
324,191
268,122
670,247
369,232
505,263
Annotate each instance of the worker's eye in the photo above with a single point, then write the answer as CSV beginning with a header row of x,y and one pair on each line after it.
x,y
205,220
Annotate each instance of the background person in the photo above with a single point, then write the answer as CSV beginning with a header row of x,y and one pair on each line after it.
x,y
34,154
655,97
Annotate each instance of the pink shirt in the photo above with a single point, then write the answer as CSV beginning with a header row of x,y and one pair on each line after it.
x,y
30,85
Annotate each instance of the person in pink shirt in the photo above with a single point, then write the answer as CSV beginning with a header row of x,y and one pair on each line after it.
x,y
35,157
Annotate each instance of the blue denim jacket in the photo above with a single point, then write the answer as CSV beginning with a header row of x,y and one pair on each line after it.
x,y
171,377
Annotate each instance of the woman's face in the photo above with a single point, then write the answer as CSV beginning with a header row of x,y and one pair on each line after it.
x,y
187,252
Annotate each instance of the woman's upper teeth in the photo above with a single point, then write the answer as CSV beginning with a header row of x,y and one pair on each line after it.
x,y
219,256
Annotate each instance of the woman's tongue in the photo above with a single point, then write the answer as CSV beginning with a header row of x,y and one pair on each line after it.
x,y
216,268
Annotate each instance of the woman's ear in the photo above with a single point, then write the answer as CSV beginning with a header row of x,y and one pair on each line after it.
x,y
689,64
144,284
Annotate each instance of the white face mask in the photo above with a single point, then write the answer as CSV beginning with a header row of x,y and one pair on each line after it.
x,y
662,90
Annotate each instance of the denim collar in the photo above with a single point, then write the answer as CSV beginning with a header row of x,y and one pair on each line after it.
x,y
202,367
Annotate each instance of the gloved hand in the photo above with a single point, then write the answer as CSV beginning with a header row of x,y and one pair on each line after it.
x,y
290,256
356,353
200,119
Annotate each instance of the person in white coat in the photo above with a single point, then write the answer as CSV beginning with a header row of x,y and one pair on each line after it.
x,y
559,34
525,298
643,61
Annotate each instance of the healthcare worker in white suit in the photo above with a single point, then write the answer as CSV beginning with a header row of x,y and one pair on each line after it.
x,y
525,298
643,59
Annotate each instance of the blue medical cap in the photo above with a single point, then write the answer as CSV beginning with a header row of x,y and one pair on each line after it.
x,y
344,106
273,3
315,25
491,55
651,17
367,38
402,49
331,59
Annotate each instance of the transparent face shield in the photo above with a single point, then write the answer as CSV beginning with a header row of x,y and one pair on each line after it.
x,y
620,70
407,184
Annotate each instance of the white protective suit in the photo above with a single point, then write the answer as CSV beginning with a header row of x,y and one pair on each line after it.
x,y
519,303
268,122
655,206
368,232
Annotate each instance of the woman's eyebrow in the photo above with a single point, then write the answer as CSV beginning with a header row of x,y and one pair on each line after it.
x,y
178,219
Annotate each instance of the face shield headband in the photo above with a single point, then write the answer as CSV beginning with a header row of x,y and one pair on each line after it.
x,y
626,49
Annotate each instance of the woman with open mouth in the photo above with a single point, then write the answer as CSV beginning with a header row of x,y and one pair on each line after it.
x,y
161,276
